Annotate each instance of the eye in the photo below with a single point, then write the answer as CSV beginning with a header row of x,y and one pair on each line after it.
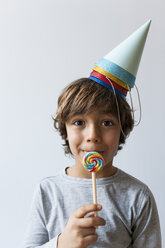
x,y
78,123
107,123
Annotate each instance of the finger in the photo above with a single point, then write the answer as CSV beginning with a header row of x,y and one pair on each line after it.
x,y
88,231
88,240
91,222
82,211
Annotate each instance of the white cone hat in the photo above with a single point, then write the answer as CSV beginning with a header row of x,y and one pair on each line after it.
x,y
122,63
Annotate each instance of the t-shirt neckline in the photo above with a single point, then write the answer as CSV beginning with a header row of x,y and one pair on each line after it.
x,y
87,181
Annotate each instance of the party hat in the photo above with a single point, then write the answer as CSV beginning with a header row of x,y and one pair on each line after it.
x,y
118,69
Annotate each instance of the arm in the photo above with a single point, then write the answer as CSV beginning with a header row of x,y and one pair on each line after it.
x,y
36,233
146,229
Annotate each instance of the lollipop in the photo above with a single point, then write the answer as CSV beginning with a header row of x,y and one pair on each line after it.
x,y
93,162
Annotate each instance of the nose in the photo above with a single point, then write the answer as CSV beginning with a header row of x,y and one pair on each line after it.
x,y
93,134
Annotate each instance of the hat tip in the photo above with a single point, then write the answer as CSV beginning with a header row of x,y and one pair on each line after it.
x,y
149,22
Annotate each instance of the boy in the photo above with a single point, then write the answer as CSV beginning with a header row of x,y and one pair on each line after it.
x,y
91,117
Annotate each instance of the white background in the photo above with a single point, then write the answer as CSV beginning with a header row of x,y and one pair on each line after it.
x,y
44,45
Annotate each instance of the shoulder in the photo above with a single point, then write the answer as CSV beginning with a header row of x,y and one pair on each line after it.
x,y
136,189
47,185
128,180
137,195
47,191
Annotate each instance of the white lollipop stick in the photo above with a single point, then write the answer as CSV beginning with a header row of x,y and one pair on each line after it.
x,y
94,191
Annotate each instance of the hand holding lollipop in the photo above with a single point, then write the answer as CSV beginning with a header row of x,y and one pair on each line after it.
x,y
93,162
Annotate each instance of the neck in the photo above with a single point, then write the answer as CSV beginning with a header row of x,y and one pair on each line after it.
x,y
81,172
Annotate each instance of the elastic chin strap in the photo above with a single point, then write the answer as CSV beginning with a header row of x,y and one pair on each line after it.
x,y
118,110
139,102
140,116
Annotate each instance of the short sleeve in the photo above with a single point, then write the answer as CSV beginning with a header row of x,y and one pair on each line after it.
x,y
36,233
146,229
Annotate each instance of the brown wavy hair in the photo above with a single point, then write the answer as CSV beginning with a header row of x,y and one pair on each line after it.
x,y
83,96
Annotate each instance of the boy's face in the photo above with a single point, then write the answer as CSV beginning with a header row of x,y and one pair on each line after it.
x,y
97,131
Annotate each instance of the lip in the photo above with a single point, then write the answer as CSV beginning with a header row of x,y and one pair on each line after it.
x,y
93,150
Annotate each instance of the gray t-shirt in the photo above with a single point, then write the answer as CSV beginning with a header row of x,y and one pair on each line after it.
x,y
128,207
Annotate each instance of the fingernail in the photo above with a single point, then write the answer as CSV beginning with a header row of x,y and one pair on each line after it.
x,y
99,206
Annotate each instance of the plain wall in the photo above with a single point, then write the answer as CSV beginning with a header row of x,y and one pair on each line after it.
x,y
44,45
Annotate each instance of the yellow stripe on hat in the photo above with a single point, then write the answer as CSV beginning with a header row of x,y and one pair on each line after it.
x,y
109,75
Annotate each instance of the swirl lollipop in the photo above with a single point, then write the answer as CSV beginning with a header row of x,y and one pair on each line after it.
x,y
93,162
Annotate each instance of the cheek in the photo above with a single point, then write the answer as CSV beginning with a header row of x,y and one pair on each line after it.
x,y
113,140
73,138
117,139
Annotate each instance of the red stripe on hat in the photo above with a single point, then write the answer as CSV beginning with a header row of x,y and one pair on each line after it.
x,y
104,78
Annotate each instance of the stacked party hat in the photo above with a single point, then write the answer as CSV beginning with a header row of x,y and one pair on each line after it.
x,y
117,70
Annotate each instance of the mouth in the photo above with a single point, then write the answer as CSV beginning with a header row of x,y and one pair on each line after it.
x,y
100,152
